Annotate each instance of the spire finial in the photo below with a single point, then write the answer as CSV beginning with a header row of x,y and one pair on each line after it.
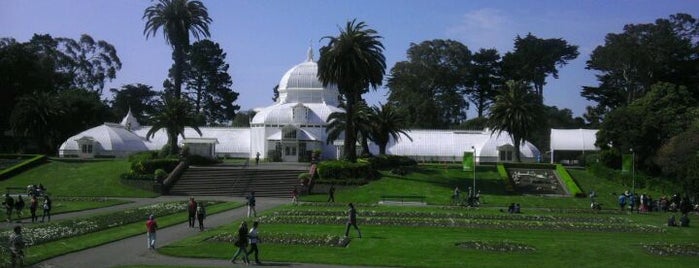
x,y
310,52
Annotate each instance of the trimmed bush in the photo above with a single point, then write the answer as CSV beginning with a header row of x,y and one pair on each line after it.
x,y
201,160
149,167
335,170
28,161
143,156
384,162
509,188
573,188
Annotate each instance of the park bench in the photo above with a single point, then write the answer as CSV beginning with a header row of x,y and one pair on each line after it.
x,y
403,199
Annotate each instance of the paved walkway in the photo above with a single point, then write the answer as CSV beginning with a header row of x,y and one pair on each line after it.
x,y
133,251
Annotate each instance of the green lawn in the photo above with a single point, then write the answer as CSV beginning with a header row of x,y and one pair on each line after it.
x,y
94,178
64,205
416,245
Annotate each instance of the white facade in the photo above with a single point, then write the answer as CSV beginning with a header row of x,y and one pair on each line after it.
x,y
290,129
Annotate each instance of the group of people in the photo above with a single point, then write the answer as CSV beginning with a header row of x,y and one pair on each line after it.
x,y
17,206
196,212
245,238
645,203
473,198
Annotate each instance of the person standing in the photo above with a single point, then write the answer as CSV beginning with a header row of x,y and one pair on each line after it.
x,y
251,204
201,214
33,204
192,211
47,208
352,220
254,239
9,205
17,247
19,206
331,193
151,228
257,158
242,243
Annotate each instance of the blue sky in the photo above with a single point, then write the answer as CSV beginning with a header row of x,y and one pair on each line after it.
x,y
263,39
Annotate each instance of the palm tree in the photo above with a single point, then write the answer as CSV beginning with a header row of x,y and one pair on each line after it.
x,y
174,115
387,123
353,61
363,120
518,111
178,19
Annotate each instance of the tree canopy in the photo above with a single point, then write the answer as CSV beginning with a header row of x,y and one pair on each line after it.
x,y
177,19
518,112
630,63
429,87
534,59
353,61
208,84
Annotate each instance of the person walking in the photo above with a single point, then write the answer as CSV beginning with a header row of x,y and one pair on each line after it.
x,y
47,208
251,204
151,228
33,204
331,193
295,196
192,212
352,220
17,247
242,243
257,158
254,239
201,214
19,206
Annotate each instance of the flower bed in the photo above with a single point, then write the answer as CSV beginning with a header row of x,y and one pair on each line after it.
x,y
449,219
459,215
291,239
504,246
53,231
691,250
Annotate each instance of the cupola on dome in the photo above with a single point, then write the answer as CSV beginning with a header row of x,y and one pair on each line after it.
x,y
301,84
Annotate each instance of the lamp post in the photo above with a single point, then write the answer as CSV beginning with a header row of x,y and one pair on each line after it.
x,y
633,172
474,170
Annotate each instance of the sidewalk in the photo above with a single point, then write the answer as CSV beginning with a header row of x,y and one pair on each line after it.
x,y
133,251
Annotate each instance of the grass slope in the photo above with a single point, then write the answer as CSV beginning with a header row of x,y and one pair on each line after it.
x,y
99,178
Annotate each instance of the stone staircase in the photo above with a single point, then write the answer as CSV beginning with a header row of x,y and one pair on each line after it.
x,y
237,181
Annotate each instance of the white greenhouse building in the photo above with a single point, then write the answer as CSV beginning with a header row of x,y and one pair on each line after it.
x,y
290,129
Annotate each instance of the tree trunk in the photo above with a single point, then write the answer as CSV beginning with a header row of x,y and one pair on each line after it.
x,y
350,133
517,158
172,140
179,61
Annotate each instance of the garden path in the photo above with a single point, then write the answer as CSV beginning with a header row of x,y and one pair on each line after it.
x,y
133,251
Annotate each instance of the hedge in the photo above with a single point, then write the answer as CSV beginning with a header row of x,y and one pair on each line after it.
x,y
32,161
148,167
573,188
384,162
343,170
509,188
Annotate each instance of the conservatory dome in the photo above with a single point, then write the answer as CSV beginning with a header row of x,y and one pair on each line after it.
x,y
301,84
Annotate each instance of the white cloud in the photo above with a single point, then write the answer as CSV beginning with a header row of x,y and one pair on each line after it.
x,y
484,28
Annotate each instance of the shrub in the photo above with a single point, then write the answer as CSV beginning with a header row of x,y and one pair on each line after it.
x,y
509,188
148,167
143,156
160,175
343,170
201,160
573,188
383,162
